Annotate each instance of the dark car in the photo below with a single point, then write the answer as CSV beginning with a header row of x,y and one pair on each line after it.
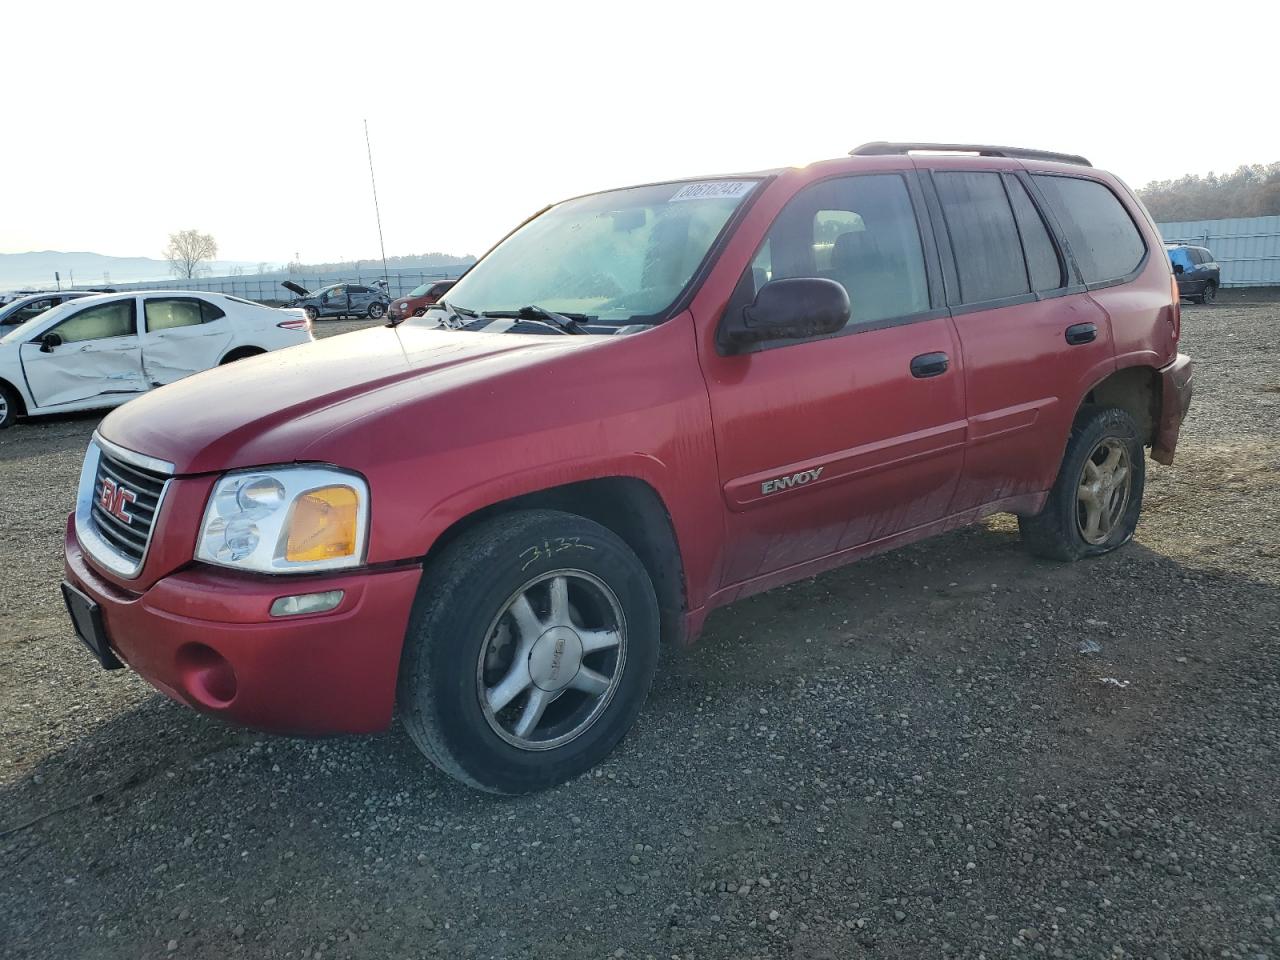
x,y
415,302
341,300
1196,271
21,309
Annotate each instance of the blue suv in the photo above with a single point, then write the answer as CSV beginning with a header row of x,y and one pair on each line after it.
x,y
1196,270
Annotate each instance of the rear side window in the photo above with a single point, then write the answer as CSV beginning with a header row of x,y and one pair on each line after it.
x,y
860,232
1104,240
171,314
983,235
1043,265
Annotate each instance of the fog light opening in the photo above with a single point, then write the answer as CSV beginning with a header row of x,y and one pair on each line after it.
x,y
206,676
306,603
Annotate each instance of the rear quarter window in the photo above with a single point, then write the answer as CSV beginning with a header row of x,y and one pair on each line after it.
x,y
1103,238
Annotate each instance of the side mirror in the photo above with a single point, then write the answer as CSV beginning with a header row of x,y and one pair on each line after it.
x,y
1178,269
49,341
792,309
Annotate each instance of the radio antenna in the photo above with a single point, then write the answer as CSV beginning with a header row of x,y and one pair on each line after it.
x,y
376,212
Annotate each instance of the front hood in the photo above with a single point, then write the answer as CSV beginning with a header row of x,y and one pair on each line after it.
x,y
295,288
273,407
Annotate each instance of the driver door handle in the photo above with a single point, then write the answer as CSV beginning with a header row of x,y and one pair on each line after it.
x,y
929,365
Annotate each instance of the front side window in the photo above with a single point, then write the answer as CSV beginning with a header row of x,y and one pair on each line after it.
x,y
170,314
984,236
625,255
860,232
30,311
103,320
1180,257
1104,240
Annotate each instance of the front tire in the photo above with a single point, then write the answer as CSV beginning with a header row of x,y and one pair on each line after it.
x,y
530,651
312,313
10,405
376,310
1095,502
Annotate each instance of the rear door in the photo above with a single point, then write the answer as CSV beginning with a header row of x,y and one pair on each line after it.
x,y
830,443
181,336
1033,340
100,356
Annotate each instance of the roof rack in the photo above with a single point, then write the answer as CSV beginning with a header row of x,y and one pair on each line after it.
x,y
883,148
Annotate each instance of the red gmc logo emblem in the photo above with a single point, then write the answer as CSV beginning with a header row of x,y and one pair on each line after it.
x,y
115,499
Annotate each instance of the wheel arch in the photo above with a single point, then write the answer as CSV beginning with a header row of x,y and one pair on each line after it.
x,y
17,394
1136,390
631,508
240,353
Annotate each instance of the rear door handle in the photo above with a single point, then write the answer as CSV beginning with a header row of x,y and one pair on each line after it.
x,y
1079,333
929,365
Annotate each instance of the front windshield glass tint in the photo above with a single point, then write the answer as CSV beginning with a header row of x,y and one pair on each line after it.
x,y
617,256
421,291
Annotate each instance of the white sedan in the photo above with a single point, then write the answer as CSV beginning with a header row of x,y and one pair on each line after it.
x,y
102,350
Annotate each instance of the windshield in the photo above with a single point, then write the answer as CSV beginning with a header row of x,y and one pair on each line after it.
x,y
23,332
620,256
423,290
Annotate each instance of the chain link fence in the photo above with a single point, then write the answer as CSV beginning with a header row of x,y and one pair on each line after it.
x,y
265,288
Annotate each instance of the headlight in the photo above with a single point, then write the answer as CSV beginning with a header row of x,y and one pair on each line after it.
x,y
286,520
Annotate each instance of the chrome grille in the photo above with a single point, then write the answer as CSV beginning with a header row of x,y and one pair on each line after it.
x,y
129,537
116,508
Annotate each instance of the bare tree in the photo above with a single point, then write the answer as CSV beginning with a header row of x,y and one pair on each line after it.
x,y
187,252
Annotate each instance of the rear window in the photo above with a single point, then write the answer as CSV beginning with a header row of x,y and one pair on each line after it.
x,y
1103,238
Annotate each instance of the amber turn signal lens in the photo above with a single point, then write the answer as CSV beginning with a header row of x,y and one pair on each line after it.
x,y
322,525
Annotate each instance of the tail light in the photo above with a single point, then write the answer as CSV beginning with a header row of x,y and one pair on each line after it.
x,y
301,323
1175,317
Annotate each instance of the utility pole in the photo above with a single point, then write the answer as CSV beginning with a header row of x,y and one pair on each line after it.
x,y
376,212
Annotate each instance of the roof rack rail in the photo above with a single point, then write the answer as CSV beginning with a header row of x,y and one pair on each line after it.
x,y
883,148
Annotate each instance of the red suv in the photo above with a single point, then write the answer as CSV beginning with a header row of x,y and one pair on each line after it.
x,y
416,301
641,405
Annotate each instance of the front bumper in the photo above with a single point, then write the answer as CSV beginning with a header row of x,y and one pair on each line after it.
x,y
1175,399
205,637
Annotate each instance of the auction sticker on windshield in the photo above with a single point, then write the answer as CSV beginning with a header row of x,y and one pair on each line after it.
x,y
713,190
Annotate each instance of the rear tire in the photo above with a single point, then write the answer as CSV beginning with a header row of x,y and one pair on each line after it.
x,y
530,650
1210,293
1091,509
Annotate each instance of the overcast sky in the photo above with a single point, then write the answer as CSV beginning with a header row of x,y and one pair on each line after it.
x,y
126,121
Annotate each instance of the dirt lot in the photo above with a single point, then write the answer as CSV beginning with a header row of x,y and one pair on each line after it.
x,y
910,757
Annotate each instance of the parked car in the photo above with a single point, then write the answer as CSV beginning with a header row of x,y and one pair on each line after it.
x,y
1197,273
101,350
341,300
415,303
641,405
21,309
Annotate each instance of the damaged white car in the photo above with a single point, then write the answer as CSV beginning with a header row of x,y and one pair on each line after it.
x,y
102,350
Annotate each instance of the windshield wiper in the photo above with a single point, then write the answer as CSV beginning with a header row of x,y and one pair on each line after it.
x,y
564,322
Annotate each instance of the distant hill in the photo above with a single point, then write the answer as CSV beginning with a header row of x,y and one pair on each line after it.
x,y
36,269
89,269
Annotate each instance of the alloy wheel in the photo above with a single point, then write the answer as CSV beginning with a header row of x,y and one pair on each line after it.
x,y
552,660
1103,491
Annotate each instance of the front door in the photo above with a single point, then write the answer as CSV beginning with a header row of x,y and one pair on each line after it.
x,y
828,444
182,336
334,301
99,356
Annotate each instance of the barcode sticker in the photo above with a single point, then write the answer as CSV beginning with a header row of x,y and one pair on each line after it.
x,y
713,190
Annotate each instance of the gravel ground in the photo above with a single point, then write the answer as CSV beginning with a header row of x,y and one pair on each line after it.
x,y
910,757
